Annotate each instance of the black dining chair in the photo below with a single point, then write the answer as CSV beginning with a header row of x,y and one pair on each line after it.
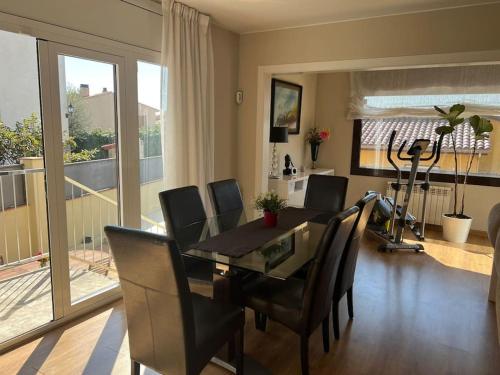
x,y
225,196
326,193
302,305
186,221
170,329
345,276
227,203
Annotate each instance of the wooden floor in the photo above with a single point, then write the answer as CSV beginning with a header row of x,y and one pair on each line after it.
x,y
414,314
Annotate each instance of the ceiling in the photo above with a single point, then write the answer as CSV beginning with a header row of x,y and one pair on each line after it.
x,y
245,16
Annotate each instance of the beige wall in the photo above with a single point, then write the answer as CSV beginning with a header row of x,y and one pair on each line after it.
x,y
226,55
332,100
392,36
296,144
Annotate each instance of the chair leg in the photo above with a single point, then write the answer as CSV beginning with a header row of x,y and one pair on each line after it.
x,y
135,367
335,320
260,321
326,334
240,344
304,354
350,307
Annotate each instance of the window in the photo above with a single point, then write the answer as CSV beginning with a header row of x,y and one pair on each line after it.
x,y
149,78
371,138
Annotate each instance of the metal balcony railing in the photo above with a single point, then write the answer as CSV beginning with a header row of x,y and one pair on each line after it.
x,y
23,220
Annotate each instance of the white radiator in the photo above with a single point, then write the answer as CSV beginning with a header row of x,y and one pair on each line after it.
x,y
438,202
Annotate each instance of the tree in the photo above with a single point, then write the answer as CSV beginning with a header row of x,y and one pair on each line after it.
x,y
79,119
25,140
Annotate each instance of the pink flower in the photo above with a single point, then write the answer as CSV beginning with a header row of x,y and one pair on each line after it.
x,y
324,135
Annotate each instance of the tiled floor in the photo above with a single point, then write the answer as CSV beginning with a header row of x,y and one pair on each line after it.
x,y
26,299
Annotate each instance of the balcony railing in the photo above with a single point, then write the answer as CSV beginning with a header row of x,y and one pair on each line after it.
x,y
23,220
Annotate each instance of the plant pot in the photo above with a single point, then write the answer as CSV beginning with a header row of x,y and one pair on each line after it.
x,y
314,153
456,229
270,219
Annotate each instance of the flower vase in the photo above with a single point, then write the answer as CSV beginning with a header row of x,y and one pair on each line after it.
x,y
270,219
314,153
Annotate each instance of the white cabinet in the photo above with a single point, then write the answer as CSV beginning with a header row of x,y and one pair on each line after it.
x,y
293,188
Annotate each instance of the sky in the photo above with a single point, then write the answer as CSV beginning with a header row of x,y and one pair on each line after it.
x,y
99,75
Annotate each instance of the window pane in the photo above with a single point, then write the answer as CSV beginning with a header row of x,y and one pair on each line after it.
x,y
150,145
89,126
25,273
375,134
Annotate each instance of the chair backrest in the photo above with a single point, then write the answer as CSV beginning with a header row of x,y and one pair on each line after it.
x,y
347,267
322,273
326,193
225,196
181,208
157,299
494,224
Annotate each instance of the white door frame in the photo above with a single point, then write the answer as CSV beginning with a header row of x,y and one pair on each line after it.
x,y
266,72
55,166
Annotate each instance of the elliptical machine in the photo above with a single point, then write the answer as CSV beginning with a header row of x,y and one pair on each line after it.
x,y
399,217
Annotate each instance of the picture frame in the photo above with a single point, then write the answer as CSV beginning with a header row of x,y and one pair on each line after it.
x,y
286,105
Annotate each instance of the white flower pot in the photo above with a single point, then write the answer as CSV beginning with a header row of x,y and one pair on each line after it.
x,y
456,229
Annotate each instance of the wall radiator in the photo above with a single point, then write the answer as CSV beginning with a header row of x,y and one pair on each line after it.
x,y
438,202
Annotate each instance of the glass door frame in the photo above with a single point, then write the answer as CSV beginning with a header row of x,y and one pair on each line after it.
x,y
49,53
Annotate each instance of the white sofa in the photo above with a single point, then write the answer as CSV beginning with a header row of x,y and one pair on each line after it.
x,y
494,235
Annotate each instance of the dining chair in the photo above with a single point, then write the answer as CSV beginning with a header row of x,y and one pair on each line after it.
x,y
225,196
227,203
326,193
186,219
170,329
345,276
302,305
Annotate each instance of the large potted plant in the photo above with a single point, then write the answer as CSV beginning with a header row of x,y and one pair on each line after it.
x,y
271,204
456,225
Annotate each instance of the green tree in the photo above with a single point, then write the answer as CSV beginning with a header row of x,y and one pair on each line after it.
x,y
79,119
25,140
151,140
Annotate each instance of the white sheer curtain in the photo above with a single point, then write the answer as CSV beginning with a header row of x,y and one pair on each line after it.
x,y
188,123
414,92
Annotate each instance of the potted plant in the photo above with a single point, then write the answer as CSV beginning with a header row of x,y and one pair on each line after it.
x,y
270,203
315,137
456,225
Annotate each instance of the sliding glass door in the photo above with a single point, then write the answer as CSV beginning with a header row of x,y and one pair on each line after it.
x,y
65,118
85,97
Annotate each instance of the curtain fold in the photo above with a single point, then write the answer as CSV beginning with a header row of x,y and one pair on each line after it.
x,y
187,97
414,92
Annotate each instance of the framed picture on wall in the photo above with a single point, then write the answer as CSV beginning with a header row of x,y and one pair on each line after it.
x,y
286,103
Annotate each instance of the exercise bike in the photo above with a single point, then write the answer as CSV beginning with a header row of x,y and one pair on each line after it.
x,y
398,216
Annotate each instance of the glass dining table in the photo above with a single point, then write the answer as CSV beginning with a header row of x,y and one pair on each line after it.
x,y
241,246
240,240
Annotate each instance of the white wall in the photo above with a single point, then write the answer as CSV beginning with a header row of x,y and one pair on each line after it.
x,y
19,94
296,145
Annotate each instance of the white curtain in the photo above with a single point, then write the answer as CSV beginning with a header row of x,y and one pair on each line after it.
x,y
414,92
188,123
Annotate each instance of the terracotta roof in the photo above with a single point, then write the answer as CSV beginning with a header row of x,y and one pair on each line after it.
x,y
376,133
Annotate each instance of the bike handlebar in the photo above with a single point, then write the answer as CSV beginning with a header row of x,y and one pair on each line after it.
x,y
389,156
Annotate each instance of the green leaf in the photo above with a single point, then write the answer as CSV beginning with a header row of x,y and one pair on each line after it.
x,y
440,110
445,129
481,126
457,108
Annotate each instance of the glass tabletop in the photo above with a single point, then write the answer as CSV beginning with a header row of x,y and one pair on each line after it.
x,y
280,257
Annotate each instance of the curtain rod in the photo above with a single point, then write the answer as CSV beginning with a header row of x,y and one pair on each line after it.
x,y
154,6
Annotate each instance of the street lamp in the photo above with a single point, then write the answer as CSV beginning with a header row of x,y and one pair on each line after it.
x,y
71,110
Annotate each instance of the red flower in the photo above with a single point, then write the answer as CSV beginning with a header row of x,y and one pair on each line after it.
x,y
324,135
